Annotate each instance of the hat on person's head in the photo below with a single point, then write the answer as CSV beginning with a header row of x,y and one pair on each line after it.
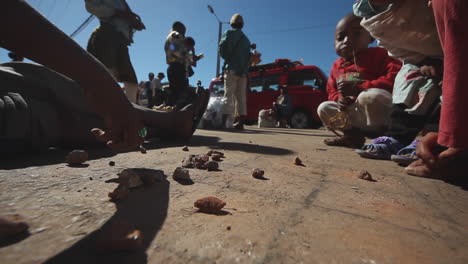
x,y
236,19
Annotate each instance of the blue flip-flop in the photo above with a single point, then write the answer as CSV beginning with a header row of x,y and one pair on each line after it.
x,y
381,148
406,155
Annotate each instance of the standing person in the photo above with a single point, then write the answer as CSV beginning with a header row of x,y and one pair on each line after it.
x,y
451,24
149,90
109,42
176,57
156,86
234,48
359,88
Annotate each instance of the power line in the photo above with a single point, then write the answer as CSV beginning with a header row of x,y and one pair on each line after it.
x,y
82,26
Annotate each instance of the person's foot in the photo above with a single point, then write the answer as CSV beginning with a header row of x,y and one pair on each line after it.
x,y
348,141
239,126
419,169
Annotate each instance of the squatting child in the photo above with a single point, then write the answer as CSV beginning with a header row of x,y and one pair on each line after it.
x,y
359,88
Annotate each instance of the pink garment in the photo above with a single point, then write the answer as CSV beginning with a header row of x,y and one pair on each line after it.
x,y
452,24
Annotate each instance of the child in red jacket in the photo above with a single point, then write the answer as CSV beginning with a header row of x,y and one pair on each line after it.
x,y
359,87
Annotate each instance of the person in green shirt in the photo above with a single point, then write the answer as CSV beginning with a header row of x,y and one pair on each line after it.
x,y
234,48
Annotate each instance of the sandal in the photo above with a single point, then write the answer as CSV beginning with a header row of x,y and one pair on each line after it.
x,y
381,148
406,155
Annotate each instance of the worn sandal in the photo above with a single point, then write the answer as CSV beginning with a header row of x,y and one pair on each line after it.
x,y
381,148
406,155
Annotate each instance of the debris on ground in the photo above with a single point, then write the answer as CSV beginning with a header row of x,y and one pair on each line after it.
x,y
298,161
136,177
185,148
111,163
76,157
200,162
210,205
188,162
228,228
11,226
365,175
215,152
119,236
181,174
211,165
258,174
216,157
142,149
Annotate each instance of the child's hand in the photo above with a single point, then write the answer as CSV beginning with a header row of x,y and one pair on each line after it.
x,y
433,68
348,88
429,4
427,151
428,71
344,101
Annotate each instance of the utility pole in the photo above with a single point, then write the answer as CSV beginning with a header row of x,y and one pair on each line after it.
x,y
220,29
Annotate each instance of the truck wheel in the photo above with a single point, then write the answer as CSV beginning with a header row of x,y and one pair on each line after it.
x,y
300,119
315,124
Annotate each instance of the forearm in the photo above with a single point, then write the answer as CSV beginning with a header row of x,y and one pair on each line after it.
x,y
34,37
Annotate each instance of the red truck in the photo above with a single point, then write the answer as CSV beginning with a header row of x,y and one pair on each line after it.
x,y
306,86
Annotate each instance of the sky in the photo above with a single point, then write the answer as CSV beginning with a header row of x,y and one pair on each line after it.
x,y
293,29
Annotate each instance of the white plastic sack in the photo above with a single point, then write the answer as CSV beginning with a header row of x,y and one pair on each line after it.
x,y
266,119
213,116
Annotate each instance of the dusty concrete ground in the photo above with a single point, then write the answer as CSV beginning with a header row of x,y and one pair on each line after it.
x,y
319,213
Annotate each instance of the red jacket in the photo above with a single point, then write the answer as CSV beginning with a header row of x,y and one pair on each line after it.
x,y
451,22
374,69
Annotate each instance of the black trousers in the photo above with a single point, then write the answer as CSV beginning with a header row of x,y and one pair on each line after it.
x,y
405,127
178,83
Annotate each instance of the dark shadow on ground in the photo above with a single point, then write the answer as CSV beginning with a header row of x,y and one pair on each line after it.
x,y
214,143
145,209
276,131
49,157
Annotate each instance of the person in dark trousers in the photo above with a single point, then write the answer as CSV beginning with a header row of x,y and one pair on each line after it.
x,y
176,58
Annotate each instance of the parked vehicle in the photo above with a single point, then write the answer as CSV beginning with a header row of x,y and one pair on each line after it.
x,y
306,87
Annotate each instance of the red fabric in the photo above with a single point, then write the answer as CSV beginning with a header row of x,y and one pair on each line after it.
x,y
452,24
373,65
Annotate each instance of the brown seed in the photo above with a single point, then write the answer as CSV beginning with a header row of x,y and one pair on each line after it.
x,y
212,152
76,157
228,228
258,173
119,236
365,175
216,157
210,205
297,161
211,165
185,148
181,174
